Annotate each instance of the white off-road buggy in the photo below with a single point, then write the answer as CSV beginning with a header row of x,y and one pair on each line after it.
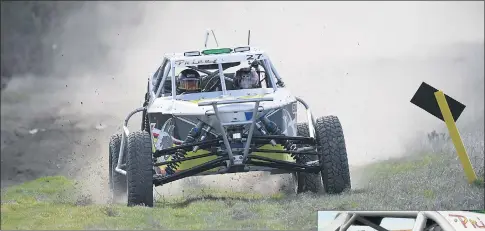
x,y
223,128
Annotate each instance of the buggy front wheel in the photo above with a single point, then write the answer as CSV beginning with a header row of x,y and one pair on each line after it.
x,y
140,169
117,181
335,169
307,181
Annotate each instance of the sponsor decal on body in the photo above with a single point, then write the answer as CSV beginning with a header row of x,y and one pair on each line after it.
x,y
467,221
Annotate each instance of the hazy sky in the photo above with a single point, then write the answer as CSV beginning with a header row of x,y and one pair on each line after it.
x,y
344,58
361,61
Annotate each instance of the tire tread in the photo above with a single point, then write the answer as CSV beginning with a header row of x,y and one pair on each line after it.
x,y
335,172
140,169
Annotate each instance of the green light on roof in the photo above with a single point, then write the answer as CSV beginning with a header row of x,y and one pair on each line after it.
x,y
217,51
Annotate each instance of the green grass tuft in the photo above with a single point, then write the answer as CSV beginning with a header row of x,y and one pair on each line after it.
x,y
429,194
397,166
479,182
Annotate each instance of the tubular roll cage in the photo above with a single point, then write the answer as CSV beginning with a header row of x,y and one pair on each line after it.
x,y
227,161
169,65
365,217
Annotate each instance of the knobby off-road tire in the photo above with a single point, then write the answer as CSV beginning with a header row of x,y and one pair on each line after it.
x,y
307,182
335,171
117,181
140,169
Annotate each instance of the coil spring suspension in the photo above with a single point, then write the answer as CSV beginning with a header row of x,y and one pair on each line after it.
x,y
145,125
273,129
181,153
172,167
290,146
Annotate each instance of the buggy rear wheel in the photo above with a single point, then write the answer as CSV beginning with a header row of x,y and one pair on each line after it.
x,y
117,181
307,181
140,169
335,170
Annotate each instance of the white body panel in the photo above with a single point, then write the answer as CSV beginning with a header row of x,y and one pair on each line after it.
x,y
181,61
188,106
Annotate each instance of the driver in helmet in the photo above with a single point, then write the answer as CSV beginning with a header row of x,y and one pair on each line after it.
x,y
247,78
188,81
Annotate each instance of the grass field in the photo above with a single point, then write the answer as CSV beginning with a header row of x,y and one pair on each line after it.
x,y
54,203
58,203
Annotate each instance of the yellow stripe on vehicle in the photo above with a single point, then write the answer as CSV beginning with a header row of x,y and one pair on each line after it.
x,y
251,96
154,149
195,101
241,97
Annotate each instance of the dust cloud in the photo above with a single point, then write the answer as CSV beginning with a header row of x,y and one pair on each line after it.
x,y
361,61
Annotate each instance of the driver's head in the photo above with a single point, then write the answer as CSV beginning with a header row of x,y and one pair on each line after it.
x,y
189,81
247,78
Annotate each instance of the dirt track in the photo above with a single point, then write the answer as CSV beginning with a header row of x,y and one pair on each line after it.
x,y
328,52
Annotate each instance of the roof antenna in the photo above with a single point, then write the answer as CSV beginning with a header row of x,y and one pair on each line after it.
x,y
206,38
249,37
215,39
207,34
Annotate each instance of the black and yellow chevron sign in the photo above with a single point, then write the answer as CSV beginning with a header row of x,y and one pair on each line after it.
x,y
448,110
426,100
